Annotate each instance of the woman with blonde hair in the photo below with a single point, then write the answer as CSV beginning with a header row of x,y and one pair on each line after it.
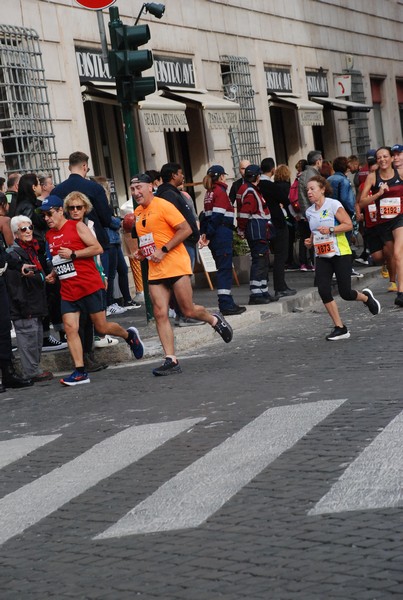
x,y
77,206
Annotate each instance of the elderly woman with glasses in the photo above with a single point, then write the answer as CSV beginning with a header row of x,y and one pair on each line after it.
x,y
27,295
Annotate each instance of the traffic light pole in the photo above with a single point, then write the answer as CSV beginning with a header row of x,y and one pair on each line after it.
x,y
131,150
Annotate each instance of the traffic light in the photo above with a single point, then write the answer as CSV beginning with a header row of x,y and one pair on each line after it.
x,y
126,62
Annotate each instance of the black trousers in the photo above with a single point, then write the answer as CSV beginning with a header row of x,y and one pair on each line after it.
x,y
341,267
5,324
305,255
279,248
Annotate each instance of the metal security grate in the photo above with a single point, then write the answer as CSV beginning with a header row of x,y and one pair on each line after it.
x,y
237,84
358,121
25,124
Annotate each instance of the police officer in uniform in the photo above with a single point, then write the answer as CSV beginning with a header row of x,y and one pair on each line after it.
x,y
217,230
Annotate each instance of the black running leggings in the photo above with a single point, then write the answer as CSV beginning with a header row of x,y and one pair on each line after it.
x,y
324,269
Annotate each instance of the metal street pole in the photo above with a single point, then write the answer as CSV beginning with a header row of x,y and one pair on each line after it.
x,y
131,150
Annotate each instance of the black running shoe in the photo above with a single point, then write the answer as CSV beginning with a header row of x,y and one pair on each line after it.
x,y
399,299
338,333
168,367
223,328
373,305
233,310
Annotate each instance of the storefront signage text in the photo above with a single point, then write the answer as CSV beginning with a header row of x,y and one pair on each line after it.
x,y
278,79
174,71
316,82
163,120
310,118
221,119
90,65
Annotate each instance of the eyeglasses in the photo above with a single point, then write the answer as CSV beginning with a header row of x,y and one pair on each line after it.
x,y
48,213
26,228
78,207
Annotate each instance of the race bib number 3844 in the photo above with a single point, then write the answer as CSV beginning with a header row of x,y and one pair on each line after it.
x,y
64,267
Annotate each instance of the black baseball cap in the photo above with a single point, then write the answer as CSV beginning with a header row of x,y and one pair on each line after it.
x,y
141,178
252,171
371,157
216,170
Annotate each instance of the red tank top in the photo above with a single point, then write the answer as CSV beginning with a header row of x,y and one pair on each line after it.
x,y
80,277
390,204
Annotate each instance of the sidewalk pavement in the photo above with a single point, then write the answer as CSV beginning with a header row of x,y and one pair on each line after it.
x,y
187,338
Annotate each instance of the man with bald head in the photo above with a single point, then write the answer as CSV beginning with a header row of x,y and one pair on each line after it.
x,y
237,184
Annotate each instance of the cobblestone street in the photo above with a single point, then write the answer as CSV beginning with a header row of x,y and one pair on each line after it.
x,y
271,468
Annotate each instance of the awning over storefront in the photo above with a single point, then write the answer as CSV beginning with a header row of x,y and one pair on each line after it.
x,y
104,92
218,113
341,104
309,113
157,112
163,114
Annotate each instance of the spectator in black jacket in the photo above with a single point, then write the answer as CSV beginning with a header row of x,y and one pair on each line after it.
x,y
276,196
9,379
27,294
11,192
172,179
101,213
29,190
237,184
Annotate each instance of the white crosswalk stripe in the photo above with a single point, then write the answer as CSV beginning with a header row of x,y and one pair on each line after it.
x,y
12,450
27,505
374,479
192,496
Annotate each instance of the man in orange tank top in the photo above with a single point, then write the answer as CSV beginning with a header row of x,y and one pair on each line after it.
x,y
161,230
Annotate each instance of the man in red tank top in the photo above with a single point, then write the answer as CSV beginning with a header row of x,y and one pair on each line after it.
x,y
73,247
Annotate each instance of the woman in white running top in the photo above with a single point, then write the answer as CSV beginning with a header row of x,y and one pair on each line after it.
x,y
329,223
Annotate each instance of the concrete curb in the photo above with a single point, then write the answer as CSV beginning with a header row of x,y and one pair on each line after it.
x,y
187,338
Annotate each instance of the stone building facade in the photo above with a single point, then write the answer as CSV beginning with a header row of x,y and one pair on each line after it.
x,y
235,80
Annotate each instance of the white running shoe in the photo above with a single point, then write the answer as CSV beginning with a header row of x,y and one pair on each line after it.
x,y
139,297
115,309
104,342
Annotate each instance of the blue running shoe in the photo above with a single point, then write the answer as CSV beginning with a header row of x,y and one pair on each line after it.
x,y
135,343
76,378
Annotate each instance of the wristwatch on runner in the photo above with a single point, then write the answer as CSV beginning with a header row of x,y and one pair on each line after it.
x,y
165,249
331,229
73,256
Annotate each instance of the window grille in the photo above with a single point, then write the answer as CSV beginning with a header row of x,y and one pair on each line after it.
x,y
25,124
237,84
358,121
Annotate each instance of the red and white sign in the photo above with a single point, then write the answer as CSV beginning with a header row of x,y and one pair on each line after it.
x,y
95,4
342,86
